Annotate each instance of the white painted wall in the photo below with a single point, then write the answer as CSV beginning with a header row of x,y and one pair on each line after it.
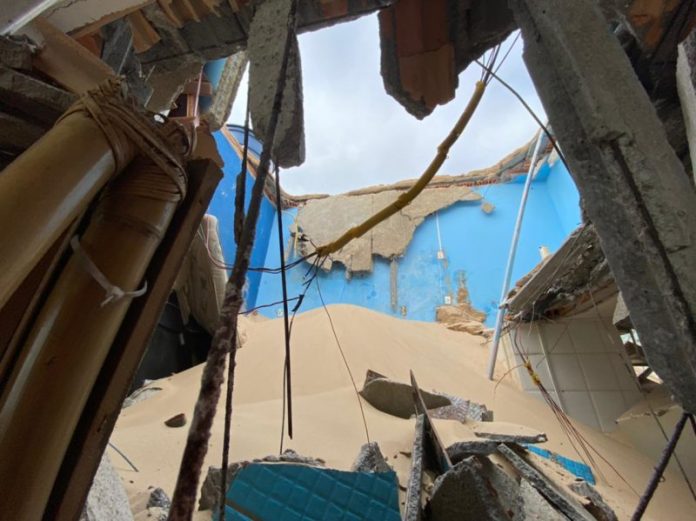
x,y
581,363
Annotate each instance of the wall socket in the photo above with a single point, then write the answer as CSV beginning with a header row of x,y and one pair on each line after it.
x,y
448,299
440,254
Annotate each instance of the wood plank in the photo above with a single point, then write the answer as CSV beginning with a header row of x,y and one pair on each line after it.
x,y
104,404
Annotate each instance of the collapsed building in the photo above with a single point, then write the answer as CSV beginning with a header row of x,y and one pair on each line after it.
x,y
104,205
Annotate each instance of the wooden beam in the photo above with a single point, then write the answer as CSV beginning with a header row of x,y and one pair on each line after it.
x,y
104,404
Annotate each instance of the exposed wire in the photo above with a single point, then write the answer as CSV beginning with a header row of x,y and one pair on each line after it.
x,y
529,109
345,361
120,453
287,375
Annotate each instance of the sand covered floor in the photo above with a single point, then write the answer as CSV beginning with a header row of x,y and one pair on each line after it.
x,y
327,419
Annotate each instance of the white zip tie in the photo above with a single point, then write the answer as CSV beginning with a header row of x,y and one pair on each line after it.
x,y
113,292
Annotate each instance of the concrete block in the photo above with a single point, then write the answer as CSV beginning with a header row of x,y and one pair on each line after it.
x,y
370,459
534,505
562,501
413,510
15,53
396,398
463,449
464,494
503,432
597,507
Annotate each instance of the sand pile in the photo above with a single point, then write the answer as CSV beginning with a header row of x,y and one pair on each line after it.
x,y
327,419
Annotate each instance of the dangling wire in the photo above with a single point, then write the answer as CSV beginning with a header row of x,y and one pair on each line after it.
x,y
240,189
287,375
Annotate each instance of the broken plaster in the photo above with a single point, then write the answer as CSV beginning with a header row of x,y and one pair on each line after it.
x,y
324,220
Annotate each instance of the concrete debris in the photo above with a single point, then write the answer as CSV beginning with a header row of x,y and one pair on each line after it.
x,y
562,501
265,46
370,459
504,482
534,505
413,508
290,456
324,220
597,506
158,505
167,86
463,449
463,493
210,490
462,410
509,433
427,43
178,420
107,497
396,398
226,91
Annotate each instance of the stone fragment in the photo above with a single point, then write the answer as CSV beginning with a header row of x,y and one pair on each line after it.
x,y
464,494
370,459
107,497
413,510
265,47
396,398
210,490
158,505
562,501
534,505
597,507
463,449
508,433
178,420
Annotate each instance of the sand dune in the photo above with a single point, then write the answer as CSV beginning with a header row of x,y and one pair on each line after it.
x,y
328,423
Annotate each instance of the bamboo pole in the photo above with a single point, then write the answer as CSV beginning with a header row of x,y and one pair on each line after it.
x,y
73,333
48,187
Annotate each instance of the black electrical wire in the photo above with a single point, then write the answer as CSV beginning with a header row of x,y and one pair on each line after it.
x,y
281,249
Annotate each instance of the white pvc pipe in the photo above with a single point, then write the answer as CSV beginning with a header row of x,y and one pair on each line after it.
x,y
511,259
18,13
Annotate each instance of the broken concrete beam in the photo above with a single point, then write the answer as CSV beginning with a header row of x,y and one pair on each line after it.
x,y
39,100
508,433
616,148
464,494
462,410
463,449
686,87
535,507
226,90
15,53
597,506
504,483
266,44
370,459
563,502
413,510
18,134
396,398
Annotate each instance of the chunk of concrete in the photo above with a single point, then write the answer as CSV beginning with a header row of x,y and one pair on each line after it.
x,y
534,505
463,449
266,45
15,53
508,433
562,501
597,506
210,490
396,398
413,510
370,459
464,494
107,497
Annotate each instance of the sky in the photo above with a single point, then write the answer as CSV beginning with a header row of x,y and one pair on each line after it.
x,y
357,135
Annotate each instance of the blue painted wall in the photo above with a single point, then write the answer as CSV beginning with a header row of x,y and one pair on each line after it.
x,y
222,207
475,244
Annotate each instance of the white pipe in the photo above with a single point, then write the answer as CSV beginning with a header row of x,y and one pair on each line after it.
x,y
511,259
19,13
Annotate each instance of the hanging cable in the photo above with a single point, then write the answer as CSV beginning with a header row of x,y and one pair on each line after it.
x,y
281,249
240,188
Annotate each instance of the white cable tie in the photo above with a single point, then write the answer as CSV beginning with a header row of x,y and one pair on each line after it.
x,y
113,292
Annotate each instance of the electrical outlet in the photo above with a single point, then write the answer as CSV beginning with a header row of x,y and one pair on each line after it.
x,y
440,254
448,299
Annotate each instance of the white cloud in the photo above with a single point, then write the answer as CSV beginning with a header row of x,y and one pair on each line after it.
x,y
357,135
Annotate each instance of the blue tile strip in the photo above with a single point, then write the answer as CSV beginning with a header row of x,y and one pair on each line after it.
x,y
574,467
288,492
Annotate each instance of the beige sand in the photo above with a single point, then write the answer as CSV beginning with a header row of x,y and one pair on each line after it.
x,y
328,423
